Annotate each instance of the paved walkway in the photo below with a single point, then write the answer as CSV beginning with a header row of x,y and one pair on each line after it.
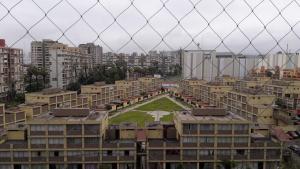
x,y
137,105
178,103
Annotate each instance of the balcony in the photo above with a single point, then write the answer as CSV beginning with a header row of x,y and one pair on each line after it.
x,y
156,143
204,132
37,133
54,146
56,133
74,132
253,145
272,144
38,159
109,158
38,146
5,159
74,145
74,158
91,146
189,144
20,146
91,132
154,156
273,156
123,145
206,144
206,157
256,156
189,157
172,157
4,146
21,159
186,131
126,158
56,159
109,145
172,144
240,144
225,132
240,157
224,145
241,132
95,158
223,157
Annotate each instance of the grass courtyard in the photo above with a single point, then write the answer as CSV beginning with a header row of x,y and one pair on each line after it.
x,y
163,104
140,116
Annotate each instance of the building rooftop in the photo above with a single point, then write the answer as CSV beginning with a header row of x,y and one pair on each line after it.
x,y
72,114
209,115
51,92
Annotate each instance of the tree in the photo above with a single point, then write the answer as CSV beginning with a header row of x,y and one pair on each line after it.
x,y
228,164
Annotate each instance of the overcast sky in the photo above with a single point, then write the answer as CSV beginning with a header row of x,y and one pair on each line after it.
x,y
114,38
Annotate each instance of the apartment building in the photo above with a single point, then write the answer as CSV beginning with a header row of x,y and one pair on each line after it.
x,y
254,105
100,93
33,110
66,64
2,115
188,86
150,84
212,93
13,116
54,98
95,51
66,138
11,70
286,92
206,137
130,88
251,82
40,55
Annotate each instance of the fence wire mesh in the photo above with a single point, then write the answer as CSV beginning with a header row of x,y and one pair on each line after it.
x,y
257,27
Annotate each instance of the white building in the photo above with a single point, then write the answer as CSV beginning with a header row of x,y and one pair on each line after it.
x,y
200,64
66,64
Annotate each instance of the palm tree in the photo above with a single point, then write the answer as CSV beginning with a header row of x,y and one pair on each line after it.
x,y
43,72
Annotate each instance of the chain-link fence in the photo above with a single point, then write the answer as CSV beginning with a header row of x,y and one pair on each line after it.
x,y
243,27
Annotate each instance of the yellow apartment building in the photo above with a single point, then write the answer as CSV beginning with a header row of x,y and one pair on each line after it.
x,y
55,98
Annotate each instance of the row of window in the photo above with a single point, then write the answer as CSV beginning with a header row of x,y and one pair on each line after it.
x,y
212,127
217,139
89,140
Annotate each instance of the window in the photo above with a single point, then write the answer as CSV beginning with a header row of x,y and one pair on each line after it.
x,y
189,140
38,141
190,152
74,140
241,127
74,153
56,128
56,141
224,139
20,154
206,152
206,139
224,127
206,127
37,127
5,154
224,152
241,139
91,140
189,126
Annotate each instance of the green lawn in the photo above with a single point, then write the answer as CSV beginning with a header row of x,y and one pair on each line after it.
x,y
133,116
167,118
163,104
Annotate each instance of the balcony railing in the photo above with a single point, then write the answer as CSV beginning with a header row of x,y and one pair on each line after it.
x,y
74,132
240,157
190,131
224,131
91,132
74,145
206,157
5,159
206,144
224,144
55,132
38,146
56,146
91,145
38,159
122,145
172,144
74,158
241,131
256,156
156,143
37,133
240,144
95,158
56,159
223,157
126,158
109,158
21,159
204,132
109,145
155,156
257,145
172,157
189,157
20,146
189,144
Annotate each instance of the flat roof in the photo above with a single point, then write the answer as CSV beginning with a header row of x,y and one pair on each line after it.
x,y
51,92
72,114
228,117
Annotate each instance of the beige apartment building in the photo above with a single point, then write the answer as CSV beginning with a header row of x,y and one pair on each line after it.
x,y
150,84
188,87
11,70
287,92
252,104
100,93
55,98
130,88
